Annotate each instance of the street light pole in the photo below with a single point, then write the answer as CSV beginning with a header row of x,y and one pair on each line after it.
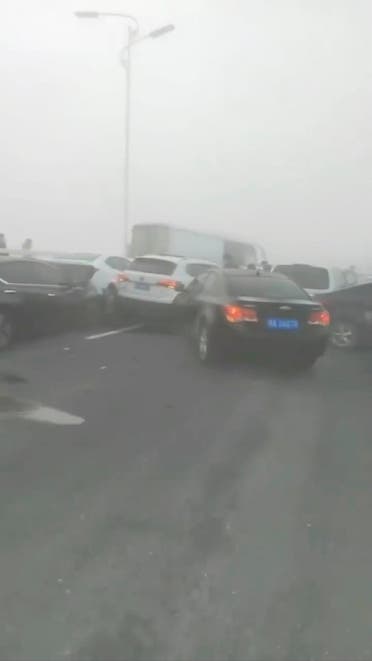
x,y
128,67
132,40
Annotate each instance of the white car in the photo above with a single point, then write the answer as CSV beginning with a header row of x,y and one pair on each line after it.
x,y
108,268
317,280
109,271
152,282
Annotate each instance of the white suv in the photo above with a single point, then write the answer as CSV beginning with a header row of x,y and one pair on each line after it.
x,y
317,280
152,282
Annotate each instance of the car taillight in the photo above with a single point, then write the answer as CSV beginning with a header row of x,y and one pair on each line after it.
x,y
319,318
236,314
122,277
169,284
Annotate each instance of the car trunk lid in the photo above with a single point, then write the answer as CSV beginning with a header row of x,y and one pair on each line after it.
x,y
289,314
150,277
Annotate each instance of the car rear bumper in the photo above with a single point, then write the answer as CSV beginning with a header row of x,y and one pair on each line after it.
x,y
150,309
166,297
312,341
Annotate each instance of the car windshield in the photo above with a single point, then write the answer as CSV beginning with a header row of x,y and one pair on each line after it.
x,y
261,286
75,273
307,277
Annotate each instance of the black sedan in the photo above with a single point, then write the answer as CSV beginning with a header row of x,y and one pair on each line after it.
x,y
35,296
351,315
261,312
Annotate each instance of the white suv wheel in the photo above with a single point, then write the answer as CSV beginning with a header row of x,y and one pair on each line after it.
x,y
203,343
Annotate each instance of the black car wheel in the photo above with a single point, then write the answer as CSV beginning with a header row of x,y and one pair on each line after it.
x,y
207,347
344,335
111,303
6,330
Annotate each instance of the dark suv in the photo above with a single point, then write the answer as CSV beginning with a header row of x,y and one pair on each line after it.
x,y
351,316
35,295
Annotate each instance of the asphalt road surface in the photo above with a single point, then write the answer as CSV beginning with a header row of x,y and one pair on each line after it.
x,y
152,509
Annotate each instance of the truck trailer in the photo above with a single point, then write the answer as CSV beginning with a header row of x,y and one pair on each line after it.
x,y
163,239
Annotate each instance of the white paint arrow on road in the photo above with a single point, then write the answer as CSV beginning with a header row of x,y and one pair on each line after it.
x,y
53,416
13,408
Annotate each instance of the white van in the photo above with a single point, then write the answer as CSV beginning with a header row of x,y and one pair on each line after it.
x,y
317,280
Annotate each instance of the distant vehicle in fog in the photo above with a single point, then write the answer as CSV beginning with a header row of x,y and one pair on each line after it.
x,y
316,280
3,247
351,316
27,247
166,239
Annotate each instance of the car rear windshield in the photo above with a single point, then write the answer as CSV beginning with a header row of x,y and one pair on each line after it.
x,y
264,287
151,265
308,277
76,273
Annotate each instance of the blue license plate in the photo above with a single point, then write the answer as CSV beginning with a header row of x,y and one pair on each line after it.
x,y
282,324
142,285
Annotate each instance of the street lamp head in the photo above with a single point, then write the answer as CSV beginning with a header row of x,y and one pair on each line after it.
x,y
87,14
154,34
108,14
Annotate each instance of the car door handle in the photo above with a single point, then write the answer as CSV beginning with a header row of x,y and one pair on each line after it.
x,y
10,291
50,294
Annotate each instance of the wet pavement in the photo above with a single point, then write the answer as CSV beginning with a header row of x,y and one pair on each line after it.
x,y
187,513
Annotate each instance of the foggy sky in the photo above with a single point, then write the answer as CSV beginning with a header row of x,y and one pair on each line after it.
x,y
252,118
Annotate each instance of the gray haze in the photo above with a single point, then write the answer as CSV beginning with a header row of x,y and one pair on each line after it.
x,y
253,117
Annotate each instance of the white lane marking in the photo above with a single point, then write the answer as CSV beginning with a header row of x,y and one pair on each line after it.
x,y
51,415
127,329
13,408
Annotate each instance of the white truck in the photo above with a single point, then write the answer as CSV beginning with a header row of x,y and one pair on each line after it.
x,y
163,239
